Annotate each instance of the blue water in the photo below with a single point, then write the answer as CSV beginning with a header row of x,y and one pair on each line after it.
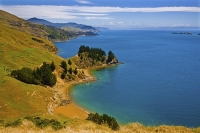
x,y
158,84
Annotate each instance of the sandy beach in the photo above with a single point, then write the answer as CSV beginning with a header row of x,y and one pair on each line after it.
x,y
71,110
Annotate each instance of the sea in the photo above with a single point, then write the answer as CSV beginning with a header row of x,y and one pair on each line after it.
x,y
159,82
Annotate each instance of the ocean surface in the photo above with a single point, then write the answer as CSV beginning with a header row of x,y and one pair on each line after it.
x,y
159,82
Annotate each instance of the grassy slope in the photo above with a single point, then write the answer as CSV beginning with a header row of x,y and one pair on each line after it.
x,y
17,50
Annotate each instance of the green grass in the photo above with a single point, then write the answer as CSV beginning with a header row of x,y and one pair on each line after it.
x,y
17,50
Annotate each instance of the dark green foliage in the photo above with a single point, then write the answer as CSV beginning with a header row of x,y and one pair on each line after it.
x,y
70,70
83,49
104,119
75,71
63,64
42,123
25,75
14,123
63,75
39,76
93,53
52,66
37,40
69,62
111,56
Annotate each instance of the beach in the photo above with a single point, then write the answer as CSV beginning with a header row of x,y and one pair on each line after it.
x,y
70,109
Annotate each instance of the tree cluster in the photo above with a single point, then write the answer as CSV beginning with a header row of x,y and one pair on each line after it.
x,y
63,64
38,76
111,56
93,53
104,119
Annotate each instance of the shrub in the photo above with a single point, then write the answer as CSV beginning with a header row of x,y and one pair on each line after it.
x,y
70,70
42,123
63,64
69,62
104,119
52,66
63,75
75,71
14,123
39,76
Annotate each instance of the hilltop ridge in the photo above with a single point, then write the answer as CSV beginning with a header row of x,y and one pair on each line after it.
x,y
78,29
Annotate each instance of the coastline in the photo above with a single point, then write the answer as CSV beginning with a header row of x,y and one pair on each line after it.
x,y
72,109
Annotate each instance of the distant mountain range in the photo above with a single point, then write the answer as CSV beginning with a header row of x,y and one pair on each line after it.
x,y
102,28
67,26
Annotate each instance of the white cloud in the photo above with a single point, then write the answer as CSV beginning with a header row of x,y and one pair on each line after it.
x,y
111,23
120,22
87,12
83,1
104,18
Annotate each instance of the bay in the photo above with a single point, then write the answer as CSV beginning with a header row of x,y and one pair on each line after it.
x,y
159,82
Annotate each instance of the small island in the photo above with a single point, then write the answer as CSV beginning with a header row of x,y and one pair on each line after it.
x,y
183,33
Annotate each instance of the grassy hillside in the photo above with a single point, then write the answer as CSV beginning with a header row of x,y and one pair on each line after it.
x,y
17,50
41,31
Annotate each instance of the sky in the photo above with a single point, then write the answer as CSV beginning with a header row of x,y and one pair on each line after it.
x,y
114,14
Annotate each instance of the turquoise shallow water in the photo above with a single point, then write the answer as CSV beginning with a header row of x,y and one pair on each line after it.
x,y
158,84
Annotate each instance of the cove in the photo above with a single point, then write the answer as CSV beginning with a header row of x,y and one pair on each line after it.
x,y
158,84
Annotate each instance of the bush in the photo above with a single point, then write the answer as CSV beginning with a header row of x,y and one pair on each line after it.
x,y
104,119
42,123
25,75
63,64
63,75
69,62
75,71
39,76
52,66
14,123
70,70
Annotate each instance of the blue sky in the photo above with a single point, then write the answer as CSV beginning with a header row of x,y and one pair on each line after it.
x,y
115,14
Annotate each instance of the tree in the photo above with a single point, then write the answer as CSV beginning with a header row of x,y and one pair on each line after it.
x,y
70,70
63,75
48,78
111,56
63,64
38,76
52,66
25,75
75,71
69,62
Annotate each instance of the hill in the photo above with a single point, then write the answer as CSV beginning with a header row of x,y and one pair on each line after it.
x,y
22,47
102,28
79,29
48,32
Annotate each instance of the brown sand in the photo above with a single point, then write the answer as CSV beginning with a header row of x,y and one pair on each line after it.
x,y
71,110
